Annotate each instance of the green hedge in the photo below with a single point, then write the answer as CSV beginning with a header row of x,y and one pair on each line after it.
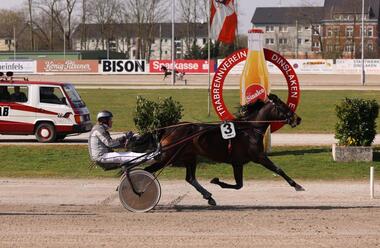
x,y
356,124
150,115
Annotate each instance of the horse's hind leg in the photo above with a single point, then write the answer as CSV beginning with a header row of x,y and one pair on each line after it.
x,y
190,178
238,174
267,163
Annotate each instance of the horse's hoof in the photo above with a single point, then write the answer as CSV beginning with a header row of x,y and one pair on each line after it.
x,y
215,180
211,202
299,188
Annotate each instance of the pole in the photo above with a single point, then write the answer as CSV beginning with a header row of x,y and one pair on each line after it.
x,y
372,182
64,43
209,59
108,48
14,38
173,45
297,39
363,68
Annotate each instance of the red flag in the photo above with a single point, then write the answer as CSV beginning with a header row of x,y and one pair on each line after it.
x,y
223,20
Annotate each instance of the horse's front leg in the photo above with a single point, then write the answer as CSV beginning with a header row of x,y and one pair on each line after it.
x,y
238,174
267,163
190,178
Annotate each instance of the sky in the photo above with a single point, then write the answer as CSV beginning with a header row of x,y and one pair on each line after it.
x,y
245,10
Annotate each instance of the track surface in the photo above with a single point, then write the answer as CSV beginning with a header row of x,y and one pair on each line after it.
x,y
87,213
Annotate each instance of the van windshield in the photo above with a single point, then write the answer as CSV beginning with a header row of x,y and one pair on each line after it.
x,y
74,96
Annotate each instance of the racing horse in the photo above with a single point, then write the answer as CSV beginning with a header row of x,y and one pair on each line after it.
x,y
182,144
179,75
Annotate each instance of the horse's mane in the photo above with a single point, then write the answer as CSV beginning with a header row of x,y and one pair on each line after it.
x,y
249,109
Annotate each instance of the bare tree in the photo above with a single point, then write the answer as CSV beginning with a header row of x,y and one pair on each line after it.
x,y
49,9
145,14
30,11
11,21
105,13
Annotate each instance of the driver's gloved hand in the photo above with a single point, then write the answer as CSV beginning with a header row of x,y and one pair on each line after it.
x,y
129,135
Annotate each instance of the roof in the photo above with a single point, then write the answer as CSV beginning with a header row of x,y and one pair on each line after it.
x,y
352,6
24,82
287,15
130,30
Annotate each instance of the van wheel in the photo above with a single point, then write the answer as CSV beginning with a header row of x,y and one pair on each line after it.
x,y
45,132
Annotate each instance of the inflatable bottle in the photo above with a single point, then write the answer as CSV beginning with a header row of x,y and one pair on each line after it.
x,y
254,81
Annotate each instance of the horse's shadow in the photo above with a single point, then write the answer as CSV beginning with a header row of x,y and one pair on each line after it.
x,y
238,208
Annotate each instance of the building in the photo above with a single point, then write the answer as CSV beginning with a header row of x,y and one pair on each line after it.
x,y
331,31
149,41
6,42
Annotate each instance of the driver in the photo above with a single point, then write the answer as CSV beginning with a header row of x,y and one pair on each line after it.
x,y
101,145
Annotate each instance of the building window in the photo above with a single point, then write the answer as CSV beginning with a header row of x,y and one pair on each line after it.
x,y
283,28
336,31
329,32
299,41
283,41
370,31
349,48
269,41
269,28
370,47
307,40
299,28
307,28
316,44
349,31
330,48
316,29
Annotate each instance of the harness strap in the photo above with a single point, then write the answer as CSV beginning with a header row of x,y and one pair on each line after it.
x,y
229,147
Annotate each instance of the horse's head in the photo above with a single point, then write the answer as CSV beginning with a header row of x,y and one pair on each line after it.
x,y
270,110
281,111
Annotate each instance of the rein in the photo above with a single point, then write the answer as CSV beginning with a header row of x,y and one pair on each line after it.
x,y
215,123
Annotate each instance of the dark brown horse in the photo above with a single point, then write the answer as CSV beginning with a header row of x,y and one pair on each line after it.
x,y
182,144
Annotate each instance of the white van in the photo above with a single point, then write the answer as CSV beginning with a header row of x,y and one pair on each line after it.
x,y
48,110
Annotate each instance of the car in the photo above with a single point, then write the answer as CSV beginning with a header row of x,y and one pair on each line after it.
x,y
49,110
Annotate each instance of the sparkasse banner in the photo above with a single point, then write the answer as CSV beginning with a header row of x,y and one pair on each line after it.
x,y
187,66
122,66
18,67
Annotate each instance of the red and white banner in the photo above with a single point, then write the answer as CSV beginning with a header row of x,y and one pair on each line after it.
x,y
223,19
187,66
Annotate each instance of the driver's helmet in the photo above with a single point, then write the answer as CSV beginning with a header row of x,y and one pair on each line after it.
x,y
104,115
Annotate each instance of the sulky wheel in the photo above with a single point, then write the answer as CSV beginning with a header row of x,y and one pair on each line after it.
x,y
145,193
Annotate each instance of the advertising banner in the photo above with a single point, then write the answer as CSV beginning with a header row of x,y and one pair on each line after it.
x,y
312,66
187,66
306,66
18,67
122,66
354,66
67,66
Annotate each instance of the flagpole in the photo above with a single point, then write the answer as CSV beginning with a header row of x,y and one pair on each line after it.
x,y
209,59
173,45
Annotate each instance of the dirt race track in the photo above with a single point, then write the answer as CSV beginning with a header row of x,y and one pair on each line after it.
x,y
87,213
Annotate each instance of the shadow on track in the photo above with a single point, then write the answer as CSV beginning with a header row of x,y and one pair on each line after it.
x,y
42,214
237,208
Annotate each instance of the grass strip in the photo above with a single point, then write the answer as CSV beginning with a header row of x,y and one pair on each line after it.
x,y
317,108
311,163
